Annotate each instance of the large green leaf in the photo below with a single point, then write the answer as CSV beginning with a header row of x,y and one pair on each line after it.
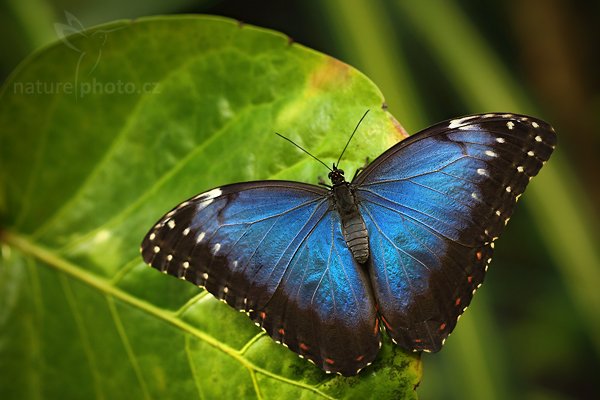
x,y
105,131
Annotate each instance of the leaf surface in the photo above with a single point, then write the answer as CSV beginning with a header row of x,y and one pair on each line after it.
x,y
108,129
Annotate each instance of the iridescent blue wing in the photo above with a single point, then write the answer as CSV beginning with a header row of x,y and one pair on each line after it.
x,y
433,205
275,250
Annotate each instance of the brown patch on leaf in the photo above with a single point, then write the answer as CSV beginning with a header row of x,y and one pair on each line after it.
x,y
330,75
400,131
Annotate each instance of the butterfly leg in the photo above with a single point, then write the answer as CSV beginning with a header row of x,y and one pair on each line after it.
x,y
358,170
323,183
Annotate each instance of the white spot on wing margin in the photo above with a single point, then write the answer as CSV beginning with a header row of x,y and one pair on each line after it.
x,y
208,197
457,123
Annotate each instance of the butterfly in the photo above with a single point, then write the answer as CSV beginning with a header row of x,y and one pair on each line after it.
x,y
402,247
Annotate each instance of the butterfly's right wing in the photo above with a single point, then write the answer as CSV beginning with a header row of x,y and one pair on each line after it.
x,y
433,205
275,250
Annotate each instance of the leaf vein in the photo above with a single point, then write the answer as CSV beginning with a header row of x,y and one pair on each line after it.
x,y
127,345
52,260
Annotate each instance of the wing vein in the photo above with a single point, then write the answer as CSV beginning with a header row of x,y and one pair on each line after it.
x,y
410,217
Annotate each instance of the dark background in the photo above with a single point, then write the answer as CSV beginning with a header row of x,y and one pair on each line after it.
x,y
533,332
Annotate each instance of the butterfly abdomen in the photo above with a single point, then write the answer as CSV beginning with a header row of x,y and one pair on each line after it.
x,y
353,225
357,238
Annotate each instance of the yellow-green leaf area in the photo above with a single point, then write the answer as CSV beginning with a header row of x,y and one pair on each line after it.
x,y
105,131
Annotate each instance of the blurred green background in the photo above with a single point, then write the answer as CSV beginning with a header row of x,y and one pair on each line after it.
x,y
534,331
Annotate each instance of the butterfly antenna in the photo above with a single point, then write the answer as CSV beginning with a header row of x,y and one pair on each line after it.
x,y
304,150
351,136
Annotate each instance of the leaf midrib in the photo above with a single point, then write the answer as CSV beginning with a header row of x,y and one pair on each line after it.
x,y
29,248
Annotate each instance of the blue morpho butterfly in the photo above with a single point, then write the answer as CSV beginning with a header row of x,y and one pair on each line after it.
x,y
405,244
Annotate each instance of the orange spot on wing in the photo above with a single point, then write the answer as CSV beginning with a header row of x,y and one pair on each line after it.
x,y
303,346
360,358
329,361
263,315
479,255
387,325
442,326
470,279
376,329
281,331
457,302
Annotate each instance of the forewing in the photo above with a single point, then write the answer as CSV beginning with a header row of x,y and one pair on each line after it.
x,y
433,205
274,249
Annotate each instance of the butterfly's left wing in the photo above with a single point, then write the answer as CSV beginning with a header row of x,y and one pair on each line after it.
x,y
433,205
275,250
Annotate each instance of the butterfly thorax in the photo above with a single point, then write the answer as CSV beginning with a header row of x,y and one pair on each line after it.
x,y
353,226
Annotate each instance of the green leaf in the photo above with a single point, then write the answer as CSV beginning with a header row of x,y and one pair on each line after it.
x,y
106,130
